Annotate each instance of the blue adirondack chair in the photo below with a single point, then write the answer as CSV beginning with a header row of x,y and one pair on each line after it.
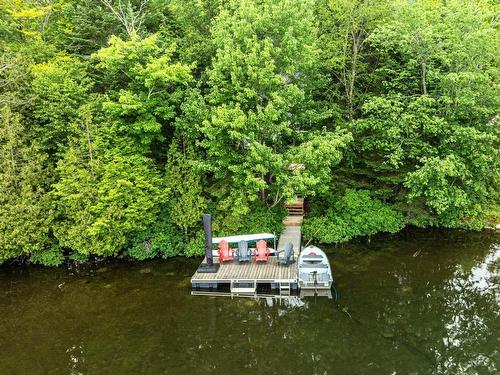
x,y
287,258
243,254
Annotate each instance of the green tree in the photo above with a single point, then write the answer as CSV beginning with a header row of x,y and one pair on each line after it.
x,y
146,87
26,212
191,23
426,125
105,196
186,191
345,27
162,238
81,27
353,214
59,87
260,86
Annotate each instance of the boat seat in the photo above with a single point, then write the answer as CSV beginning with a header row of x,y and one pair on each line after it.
x,y
312,257
323,277
315,265
320,277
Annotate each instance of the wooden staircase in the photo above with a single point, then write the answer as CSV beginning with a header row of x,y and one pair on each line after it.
x,y
295,207
295,210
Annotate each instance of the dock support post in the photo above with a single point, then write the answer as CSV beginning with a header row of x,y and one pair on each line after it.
x,y
209,266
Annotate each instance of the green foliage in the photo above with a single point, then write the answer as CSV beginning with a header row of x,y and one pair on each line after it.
x,y
186,194
426,138
264,220
102,207
448,188
162,238
121,122
28,17
196,246
60,87
50,257
260,97
81,27
25,210
319,154
259,219
354,214
192,20
147,99
345,27
78,258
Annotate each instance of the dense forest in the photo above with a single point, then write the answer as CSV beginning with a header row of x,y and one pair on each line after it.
x,y
122,121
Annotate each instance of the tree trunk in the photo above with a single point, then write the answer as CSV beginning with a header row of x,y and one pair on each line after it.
x,y
356,47
423,77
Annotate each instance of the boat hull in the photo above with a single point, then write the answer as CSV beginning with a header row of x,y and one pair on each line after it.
x,y
314,269
318,286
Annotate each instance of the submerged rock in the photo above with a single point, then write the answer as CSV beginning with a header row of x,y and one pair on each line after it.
x,y
387,334
391,321
184,283
145,270
102,269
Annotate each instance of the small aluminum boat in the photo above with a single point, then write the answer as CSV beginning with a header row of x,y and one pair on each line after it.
x,y
314,269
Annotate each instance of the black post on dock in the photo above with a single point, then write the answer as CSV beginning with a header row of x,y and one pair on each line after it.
x,y
209,266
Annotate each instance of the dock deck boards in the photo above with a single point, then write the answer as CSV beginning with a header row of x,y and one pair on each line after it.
x,y
270,272
264,272
291,234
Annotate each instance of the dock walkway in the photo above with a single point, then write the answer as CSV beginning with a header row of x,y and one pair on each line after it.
x,y
291,234
245,277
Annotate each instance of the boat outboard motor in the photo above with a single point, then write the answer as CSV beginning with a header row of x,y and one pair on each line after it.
x,y
209,266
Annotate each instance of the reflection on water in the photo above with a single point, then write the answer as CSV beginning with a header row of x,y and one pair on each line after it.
x,y
466,327
484,274
424,303
76,359
290,303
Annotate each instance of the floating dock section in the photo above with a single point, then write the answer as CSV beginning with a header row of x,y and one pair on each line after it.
x,y
251,277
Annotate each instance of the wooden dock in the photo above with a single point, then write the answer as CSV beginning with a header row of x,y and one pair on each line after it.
x,y
293,234
246,277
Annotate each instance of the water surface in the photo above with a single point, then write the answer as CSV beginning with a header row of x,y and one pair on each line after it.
x,y
421,303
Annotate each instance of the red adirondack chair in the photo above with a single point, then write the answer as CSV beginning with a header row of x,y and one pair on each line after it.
x,y
225,253
261,252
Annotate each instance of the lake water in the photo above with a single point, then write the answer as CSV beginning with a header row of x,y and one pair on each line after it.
x,y
420,303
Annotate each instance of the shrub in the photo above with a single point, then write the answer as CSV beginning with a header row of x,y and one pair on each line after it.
x,y
196,246
50,257
162,238
355,213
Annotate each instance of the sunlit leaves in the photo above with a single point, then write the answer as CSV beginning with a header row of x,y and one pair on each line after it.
x,y
319,154
102,208
264,69
353,214
424,128
186,191
152,90
60,87
25,209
